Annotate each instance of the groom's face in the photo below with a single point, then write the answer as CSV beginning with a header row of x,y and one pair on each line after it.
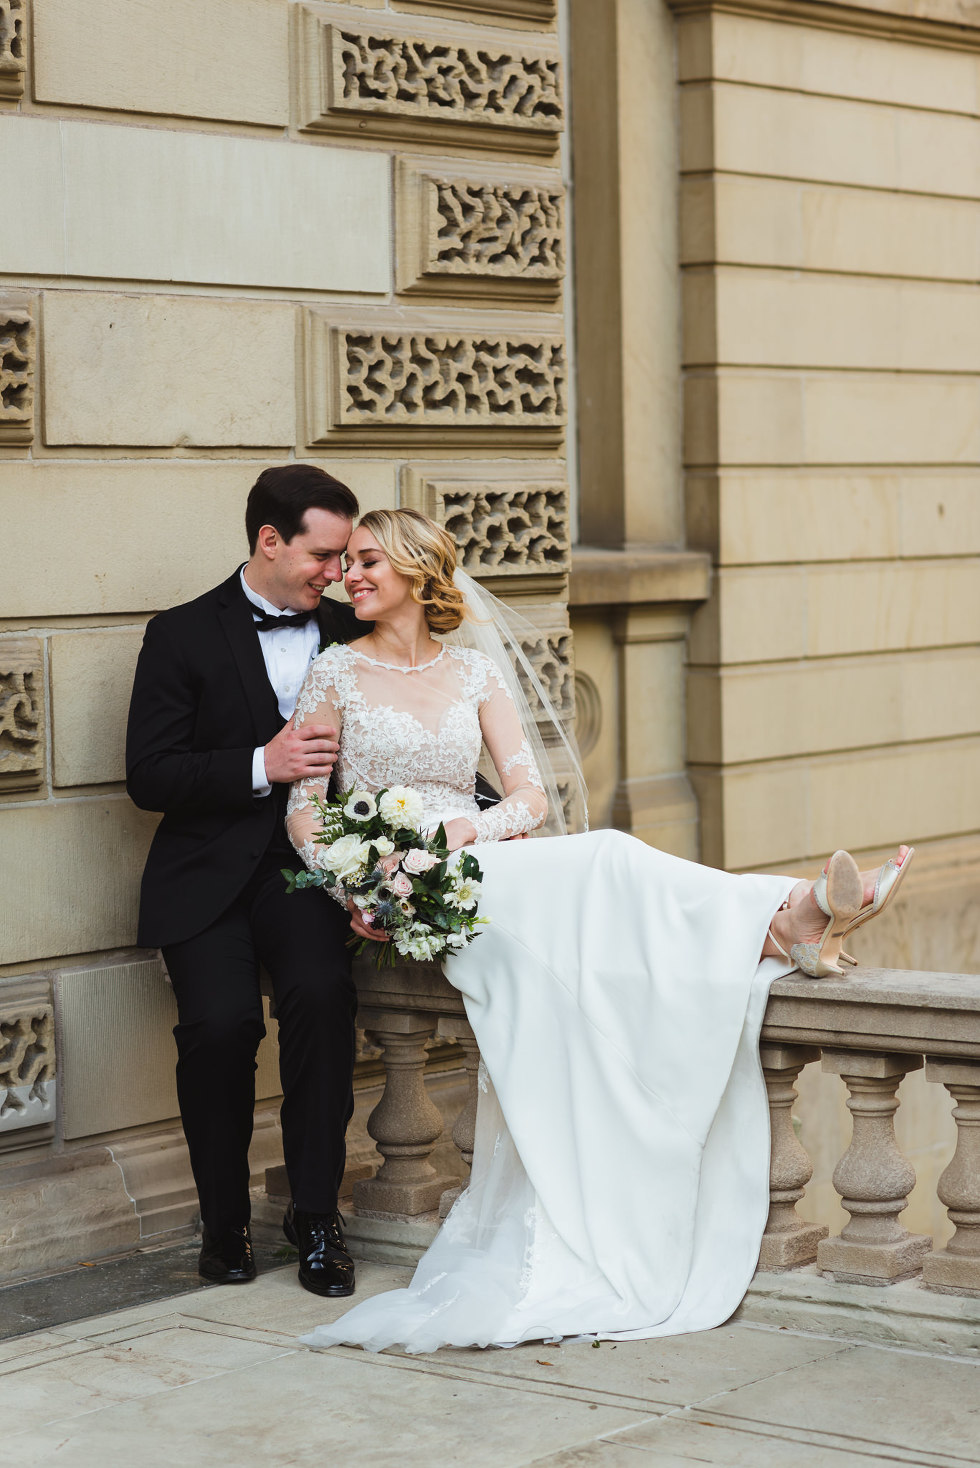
x,y
301,569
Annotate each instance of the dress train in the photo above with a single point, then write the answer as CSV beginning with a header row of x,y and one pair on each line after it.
x,y
620,1180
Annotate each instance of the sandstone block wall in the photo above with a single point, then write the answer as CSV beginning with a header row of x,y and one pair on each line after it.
x,y
234,235
829,211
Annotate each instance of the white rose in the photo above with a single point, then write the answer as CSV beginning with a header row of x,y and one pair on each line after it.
x,y
402,807
383,846
361,806
416,862
347,857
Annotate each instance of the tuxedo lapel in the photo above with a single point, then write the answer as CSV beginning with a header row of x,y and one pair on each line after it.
x,y
337,623
238,624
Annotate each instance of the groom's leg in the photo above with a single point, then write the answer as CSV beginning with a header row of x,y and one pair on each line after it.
x,y
220,1023
301,939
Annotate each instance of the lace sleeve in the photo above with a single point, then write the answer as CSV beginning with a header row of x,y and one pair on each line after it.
x,y
319,703
524,806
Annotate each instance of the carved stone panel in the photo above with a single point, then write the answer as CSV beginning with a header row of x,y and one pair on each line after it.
x,y
13,41
27,1061
21,713
444,86
17,366
481,236
549,652
541,12
503,528
371,385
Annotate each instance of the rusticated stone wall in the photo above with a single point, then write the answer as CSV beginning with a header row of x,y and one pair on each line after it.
x,y
343,240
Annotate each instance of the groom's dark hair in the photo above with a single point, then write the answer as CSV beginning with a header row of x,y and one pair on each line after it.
x,y
281,496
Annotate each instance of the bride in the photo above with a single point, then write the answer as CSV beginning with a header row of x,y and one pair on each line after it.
x,y
620,1177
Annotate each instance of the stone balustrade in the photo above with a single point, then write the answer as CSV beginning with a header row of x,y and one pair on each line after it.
x,y
871,1029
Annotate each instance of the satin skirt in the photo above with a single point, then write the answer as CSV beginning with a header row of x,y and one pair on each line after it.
x,y
620,1179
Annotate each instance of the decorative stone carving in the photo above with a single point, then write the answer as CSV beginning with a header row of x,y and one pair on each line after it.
x,y
570,795
550,654
484,236
447,86
503,528
13,41
21,713
588,713
541,11
27,1060
369,385
17,364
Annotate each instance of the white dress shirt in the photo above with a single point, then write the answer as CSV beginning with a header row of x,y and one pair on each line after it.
x,y
287,653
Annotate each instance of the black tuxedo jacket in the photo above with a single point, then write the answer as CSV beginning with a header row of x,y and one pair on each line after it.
x,y
202,702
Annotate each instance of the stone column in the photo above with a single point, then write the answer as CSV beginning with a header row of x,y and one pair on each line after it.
x,y
872,1178
405,1123
654,798
788,1240
464,1128
956,1269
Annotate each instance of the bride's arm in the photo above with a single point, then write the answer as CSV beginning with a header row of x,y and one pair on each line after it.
x,y
524,806
318,703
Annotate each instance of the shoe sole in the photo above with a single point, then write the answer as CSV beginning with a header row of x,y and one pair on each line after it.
x,y
227,1279
332,1292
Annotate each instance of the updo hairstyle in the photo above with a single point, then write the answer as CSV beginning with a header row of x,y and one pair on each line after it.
x,y
424,552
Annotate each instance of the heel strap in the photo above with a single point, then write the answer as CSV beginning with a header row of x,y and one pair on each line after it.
x,y
820,894
779,947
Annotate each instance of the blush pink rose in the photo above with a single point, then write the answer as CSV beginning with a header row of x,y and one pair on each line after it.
x,y
418,862
400,885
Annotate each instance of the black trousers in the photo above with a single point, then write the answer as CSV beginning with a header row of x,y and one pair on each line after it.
x,y
299,938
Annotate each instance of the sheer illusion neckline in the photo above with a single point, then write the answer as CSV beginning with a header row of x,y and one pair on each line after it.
x,y
400,667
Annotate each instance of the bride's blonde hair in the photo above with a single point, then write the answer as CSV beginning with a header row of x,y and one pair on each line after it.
x,y
424,552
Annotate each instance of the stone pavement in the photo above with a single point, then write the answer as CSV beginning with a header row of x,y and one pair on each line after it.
x,y
216,1377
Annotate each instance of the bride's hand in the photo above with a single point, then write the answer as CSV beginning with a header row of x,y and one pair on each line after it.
x,y
459,832
360,928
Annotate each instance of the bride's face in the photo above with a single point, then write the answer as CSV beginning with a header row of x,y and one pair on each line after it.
x,y
377,591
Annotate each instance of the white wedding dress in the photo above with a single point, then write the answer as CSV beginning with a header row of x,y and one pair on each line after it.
x,y
620,1178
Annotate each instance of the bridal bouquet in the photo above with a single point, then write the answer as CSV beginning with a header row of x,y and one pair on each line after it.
x,y
408,885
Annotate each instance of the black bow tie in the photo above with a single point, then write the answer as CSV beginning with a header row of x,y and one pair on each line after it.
x,y
266,622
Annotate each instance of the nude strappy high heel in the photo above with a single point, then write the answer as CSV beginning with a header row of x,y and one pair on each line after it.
x,y
839,893
887,884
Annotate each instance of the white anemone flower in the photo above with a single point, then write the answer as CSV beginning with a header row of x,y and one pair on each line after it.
x,y
361,806
402,807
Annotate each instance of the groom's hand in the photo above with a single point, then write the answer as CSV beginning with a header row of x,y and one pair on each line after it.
x,y
301,754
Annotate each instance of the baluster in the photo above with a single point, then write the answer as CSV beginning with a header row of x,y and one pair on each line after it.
x,y
956,1269
457,1028
788,1240
872,1178
405,1123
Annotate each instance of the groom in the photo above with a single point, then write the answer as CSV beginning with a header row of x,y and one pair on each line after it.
x,y
211,745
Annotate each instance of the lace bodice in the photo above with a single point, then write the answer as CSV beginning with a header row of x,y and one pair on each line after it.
x,y
424,727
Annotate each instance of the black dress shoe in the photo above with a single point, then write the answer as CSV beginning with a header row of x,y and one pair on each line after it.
x,y
226,1257
325,1267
